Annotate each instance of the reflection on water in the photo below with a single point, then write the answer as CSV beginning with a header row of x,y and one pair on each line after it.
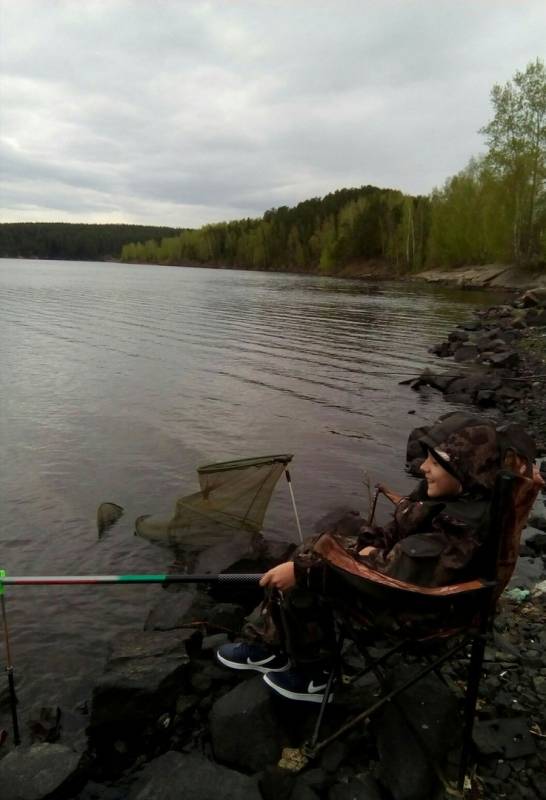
x,y
117,381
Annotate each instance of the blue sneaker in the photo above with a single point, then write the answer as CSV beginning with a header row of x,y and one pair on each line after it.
x,y
252,656
297,686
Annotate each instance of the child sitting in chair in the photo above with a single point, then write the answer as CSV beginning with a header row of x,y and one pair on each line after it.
x,y
434,539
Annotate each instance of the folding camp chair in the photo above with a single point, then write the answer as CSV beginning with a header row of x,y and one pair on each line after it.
x,y
454,616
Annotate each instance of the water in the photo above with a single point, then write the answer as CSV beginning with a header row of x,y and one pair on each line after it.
x,y
117,381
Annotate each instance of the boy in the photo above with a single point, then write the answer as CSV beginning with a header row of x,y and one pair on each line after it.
x,y
434,539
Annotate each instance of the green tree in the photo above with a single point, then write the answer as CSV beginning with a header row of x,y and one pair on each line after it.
x,y
517,154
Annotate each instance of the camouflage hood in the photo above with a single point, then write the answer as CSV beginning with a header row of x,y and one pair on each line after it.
x,y
470,453
473,450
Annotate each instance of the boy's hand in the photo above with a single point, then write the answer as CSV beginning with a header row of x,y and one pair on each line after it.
x,y
367,551
281,577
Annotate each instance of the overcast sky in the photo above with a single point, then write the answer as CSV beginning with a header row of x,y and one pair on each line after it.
x,y
182,113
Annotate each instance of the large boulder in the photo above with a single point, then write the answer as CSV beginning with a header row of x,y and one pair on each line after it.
x,y
466,352
412,733
144,675
40,771
174,776
245,731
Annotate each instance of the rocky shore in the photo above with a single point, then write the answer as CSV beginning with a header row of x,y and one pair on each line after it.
x,y
497,362
166,721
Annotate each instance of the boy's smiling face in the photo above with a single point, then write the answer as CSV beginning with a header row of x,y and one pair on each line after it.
x,y
440,483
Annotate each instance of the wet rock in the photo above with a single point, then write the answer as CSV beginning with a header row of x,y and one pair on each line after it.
x,y
228,617
537,521
458,335
107,515
534,297
141,682
303,792
39,771
45,724
527,573
173,610
509,738
466,352
539,685
333,755
537,542
471,325
173,776
441,349
276,783
535,317
412,732
359,788
245,732
507,360
485,398
538,782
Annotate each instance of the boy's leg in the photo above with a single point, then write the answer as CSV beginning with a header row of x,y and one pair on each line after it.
x,y
297,624
305,621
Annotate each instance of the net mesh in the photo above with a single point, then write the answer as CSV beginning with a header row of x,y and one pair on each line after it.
x,y
234,496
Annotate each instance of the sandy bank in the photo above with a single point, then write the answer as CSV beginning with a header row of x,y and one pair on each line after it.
x,y
498,276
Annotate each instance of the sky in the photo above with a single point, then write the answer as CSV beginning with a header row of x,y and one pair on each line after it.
x,y
183,113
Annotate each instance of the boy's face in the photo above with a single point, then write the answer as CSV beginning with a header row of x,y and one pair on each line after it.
x,y
439,481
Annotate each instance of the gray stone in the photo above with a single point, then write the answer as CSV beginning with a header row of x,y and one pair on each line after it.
x,y
175,609
276,783
31,773
142,678
534,297
360,788
333,755
537,542
413,732
466,352
507,737
244,730
527,573
506,360
174,776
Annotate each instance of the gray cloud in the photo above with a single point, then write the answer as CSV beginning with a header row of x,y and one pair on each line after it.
x,y
183,113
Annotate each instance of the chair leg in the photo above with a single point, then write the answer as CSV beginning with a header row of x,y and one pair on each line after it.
x,y
328,691
473,685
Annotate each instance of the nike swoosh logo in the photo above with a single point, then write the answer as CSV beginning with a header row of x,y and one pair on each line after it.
x,y
312,689
260,663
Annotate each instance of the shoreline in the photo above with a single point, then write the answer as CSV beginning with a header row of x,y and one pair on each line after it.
x,y
487,276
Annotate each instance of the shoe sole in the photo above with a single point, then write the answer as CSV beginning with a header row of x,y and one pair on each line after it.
x,y
253,667
306,698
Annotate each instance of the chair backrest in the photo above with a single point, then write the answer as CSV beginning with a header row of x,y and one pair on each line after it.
x,y
513,499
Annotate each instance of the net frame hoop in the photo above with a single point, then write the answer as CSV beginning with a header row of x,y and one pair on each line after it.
x,y
244,463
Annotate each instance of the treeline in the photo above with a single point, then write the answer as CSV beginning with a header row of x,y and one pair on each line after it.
x,y
495,209
492,211
322,233
63,240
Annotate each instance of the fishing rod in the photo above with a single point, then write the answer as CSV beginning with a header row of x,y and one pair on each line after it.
x,y
230,578
73,580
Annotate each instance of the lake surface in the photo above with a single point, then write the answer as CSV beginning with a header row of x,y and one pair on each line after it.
x,y
117,381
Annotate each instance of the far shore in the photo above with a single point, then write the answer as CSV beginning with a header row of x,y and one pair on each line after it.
x,y
488,276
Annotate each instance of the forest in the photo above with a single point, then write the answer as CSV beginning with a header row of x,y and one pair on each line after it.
x,y
493,211
75,242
